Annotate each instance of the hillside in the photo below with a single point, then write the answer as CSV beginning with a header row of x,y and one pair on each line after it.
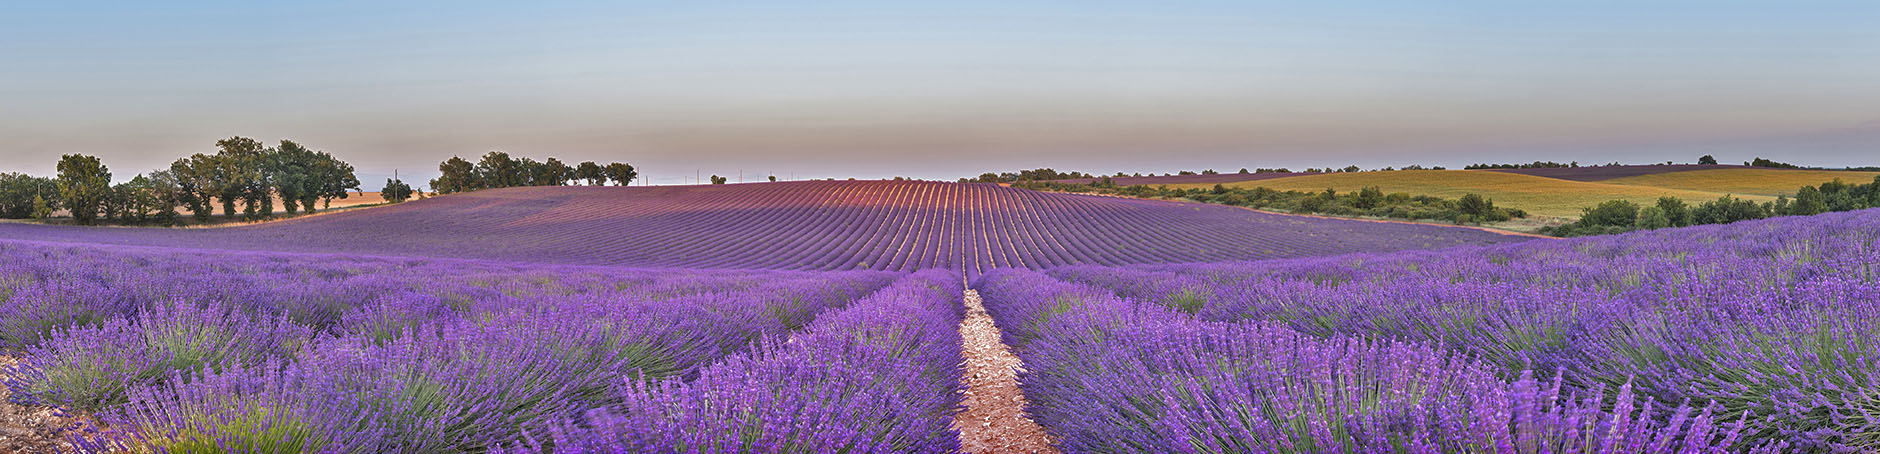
x,y
878,225
1746,181
1537,195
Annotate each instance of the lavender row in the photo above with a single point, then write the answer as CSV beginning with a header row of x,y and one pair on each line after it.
x,y
1108,375
881,376
1771,318
173,347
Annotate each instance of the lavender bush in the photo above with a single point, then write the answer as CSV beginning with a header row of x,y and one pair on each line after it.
x,y
1109,375
880,376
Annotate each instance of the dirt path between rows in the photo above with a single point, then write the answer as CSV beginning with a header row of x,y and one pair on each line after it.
x,y
994,420
25,429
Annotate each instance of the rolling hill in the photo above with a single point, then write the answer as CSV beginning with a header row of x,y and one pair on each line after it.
x,y
1745,181
879,225
1537,195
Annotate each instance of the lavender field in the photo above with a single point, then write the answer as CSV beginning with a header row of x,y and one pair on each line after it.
x,y
1748,337
812,226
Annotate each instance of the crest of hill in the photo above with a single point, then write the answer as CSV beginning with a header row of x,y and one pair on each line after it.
x,y
1187,179
880,225
1537,195
1603,173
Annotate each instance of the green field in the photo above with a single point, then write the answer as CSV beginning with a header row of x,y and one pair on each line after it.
x,y
1540,196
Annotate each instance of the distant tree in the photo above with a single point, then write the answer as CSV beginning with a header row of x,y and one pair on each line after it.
x,y
556,172
498,170
593,173
84,186
719,180
622,173
238,171
42,208
395,191
1210,172
456,175
197,184
1243,170
18,194
773,178
1760,162
1707,160
333,177
294,176
166,195
1349,169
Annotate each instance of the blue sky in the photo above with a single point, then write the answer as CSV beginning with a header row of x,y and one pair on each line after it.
x,y
947,89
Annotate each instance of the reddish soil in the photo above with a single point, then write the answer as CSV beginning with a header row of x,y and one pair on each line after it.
x,y
994,420
28,429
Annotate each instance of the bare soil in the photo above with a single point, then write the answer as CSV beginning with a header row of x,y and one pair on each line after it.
x,y
31,429
994,420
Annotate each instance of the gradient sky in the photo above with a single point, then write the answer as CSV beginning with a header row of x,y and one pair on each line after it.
x,y
949,89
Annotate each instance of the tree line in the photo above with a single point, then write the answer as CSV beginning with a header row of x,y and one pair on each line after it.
x,y
242,171
498,170
1369,201
1619,216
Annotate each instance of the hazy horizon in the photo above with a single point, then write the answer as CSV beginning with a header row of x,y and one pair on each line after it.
x,y
856,89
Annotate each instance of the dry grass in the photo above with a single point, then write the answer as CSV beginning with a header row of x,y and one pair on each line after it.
x,y
1764,182
1541,196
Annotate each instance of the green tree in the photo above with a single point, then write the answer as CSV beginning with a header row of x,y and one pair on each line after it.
x,y
1475,205
42,209
1809,201
773,178
593,173
333,177
719,180
18,192
1707,160
458,175
1652,217
294,175
84,186
1370,197
240,175
1676,212
197,184
622,173
395,191
553,172
498,170
1615,213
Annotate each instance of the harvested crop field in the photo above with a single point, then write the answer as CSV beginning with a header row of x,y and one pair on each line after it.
x,y
1746,181
1603,173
